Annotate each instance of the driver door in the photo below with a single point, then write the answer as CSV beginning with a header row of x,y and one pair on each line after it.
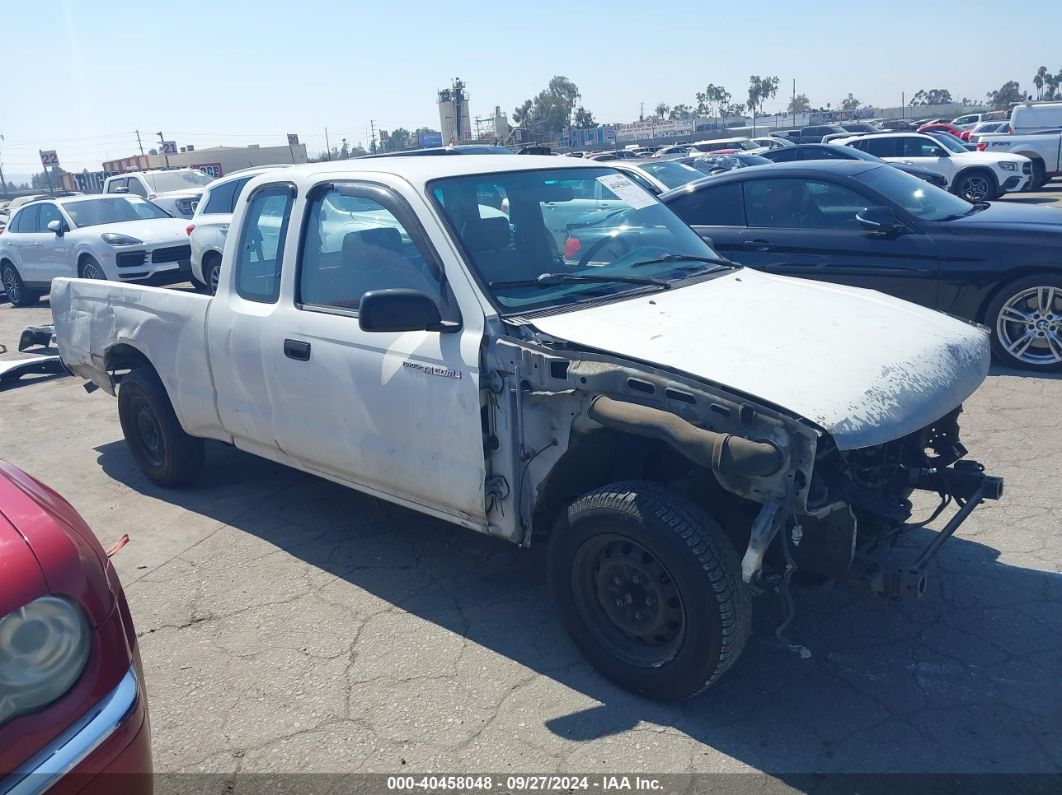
x,y
807,227
918,151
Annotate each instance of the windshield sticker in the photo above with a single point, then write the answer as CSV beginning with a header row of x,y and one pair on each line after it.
x,y
627,191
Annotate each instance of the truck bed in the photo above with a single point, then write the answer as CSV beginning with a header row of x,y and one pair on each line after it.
x,y
167,326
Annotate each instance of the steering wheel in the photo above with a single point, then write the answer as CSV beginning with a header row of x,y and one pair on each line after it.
x,y
600,244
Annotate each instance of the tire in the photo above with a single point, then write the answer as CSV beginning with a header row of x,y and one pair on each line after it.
x,y
1039,175
1025,317
213,273
649,588
162,450
89,268
17,292
976,185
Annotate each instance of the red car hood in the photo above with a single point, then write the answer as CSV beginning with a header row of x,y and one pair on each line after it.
x,y
45,547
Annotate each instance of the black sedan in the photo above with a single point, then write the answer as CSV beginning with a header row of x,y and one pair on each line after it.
x,y
871,225
837,152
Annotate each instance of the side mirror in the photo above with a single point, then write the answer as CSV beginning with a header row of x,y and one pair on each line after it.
x,y
401,309
878,219
58,227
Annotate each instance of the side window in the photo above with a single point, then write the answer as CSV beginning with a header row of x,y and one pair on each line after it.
x,y
880,147
801,204
786,154
48,213
240,185
823,153
719,206
115,184
221,198
26,221
354,244
137,187
259,258
920,147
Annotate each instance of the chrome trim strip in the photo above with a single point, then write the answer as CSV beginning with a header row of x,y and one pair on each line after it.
x,y
63,754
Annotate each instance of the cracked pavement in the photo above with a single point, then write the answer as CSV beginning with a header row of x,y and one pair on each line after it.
x,y
289,624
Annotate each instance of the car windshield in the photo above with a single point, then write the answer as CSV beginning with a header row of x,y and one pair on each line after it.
x,y
917,197
567,235
97,212
166,181
672,174
949,141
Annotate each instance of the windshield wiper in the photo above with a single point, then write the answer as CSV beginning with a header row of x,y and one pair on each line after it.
x,y
978,207
553,279
685,258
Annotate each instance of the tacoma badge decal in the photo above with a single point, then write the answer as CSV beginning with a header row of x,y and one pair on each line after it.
x,y
442,372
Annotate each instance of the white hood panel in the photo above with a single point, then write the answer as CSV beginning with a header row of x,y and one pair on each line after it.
x,y
866,367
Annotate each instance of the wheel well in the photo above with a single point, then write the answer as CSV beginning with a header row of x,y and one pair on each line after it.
x,y
6,261
124,358
84,255
602,456
1017,275
210,256
976,170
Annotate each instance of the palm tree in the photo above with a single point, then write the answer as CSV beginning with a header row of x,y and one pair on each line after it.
x,y
662,109
1039,81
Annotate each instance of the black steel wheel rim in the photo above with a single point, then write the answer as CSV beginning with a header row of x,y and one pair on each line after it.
x,y
628,600
149,433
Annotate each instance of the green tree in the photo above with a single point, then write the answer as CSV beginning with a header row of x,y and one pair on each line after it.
x,y
1039,81
760,90
681,112
399,140
344,150
711,101
551,110
1010,92
850,103
799,104
661,110
934,96
584,118
522,114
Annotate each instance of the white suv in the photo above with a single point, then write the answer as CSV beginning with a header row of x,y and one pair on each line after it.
x,y
210,224
175,190
122,238
975,176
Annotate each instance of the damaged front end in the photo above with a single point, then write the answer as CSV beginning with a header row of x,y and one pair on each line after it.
x,y
787,496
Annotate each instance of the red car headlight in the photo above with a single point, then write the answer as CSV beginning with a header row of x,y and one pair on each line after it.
x,y
43,650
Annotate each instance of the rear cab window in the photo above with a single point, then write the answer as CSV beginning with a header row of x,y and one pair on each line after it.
x,y
259,257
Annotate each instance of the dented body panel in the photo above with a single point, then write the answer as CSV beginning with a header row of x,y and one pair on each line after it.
x,y
865,367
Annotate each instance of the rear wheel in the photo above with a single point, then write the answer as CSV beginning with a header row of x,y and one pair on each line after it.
x,y
976,186
16,290
650,589
213,273
1026,322
156,440
1039,175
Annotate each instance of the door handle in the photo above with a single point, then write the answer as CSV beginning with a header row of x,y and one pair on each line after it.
x,y
758,245
297,349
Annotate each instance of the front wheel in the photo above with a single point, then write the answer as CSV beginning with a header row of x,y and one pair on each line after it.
x,y
650,589
90,269
1026,322
158,443
976,186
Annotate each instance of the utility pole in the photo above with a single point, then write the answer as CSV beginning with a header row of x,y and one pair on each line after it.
x,y
3,183
163,139
641,112
328,149
794,102
903,105
372,139
138,142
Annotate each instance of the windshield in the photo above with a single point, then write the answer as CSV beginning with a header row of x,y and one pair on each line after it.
x,y
919,198
166,181
672,174
949,141
97,212
592,223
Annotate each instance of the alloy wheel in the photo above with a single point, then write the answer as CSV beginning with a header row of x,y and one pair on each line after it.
x,y
1029,326
215,277
11,285
975,188
90,270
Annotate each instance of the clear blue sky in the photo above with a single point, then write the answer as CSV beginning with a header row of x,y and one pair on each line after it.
x,y
82,75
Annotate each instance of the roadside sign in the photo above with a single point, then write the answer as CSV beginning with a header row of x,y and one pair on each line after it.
x,y
169,147
427,138
49,157
211,169
293,139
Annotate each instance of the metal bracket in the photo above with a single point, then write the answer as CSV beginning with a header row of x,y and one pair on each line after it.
x,y
764,529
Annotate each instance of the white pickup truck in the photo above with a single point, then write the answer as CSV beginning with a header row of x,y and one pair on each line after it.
x,y
681,431
1044,148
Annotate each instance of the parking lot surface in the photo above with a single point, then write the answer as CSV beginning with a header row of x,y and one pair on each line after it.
x,y
287,623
